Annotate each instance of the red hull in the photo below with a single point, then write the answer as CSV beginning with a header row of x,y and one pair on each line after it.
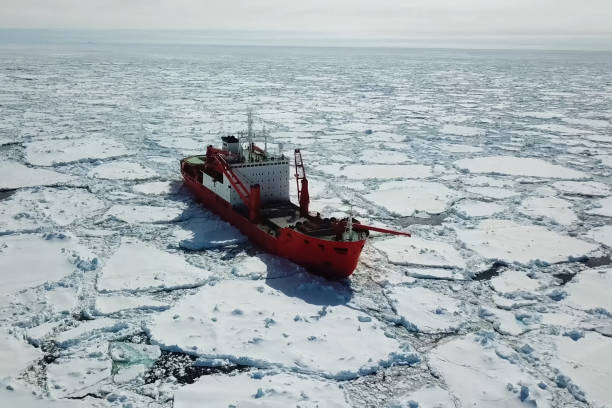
x,y
332,259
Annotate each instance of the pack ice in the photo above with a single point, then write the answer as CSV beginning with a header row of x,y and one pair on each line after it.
x,y
248,322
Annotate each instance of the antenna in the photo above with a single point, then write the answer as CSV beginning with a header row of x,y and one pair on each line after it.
x,y
349,225
265,135
250,130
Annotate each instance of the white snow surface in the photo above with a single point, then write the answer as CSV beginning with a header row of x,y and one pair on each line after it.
x,y
587,188
602,234
111,303
245,390
424,310
251,323
518,166
30,260
588,363
417,251
555,208
16,355
136,266
122,170
512,280
29,210
379,171
477,209
495,301
478,376
590,290
508,241
15,175
57,151
406,197
144,213
603,207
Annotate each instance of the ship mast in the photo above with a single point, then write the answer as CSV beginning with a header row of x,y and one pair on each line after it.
x,y
250,130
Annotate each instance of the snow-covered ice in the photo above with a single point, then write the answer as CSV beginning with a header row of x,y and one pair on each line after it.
x,y
509,241
554,208
111,304
477,375
477,209
512,280
144,213
406,197
602,234
137,266
498,299
590,290
602,207
16,175
424,310
249,390
158,187
417,251
379,171
57,151
30,260
586,188
16,354
248,322
518,166
122,170
588,364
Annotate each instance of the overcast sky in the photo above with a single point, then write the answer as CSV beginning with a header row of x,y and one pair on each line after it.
x,y
350,18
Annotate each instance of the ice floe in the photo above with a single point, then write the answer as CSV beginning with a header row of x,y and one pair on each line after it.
x,y
50,152
406,197
590,290
418,251
122,170
138,266
459,148
460,130
158,187
77,377
495,193
201,233
424,310
253,390
477,209
15,354
427,397
510,242
248,322
554,208
602,234
471,360
15,175
29,210
518,166
87,329
603,207
512,280
144,213
378,171
586,362
111,303
586,188
30,260
383,156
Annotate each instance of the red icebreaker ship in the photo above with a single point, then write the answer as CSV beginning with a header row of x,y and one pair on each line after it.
x,y
249,188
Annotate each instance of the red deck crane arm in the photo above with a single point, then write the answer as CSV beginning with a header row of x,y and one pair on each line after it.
x,y
216,156
362,227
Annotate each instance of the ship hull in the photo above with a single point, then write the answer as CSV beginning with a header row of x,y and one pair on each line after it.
x,y
331,259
